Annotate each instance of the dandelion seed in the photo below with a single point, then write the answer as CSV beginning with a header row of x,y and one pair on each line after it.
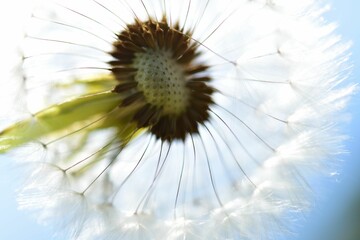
x,y
177,120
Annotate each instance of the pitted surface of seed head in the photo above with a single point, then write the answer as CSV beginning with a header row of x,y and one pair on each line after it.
x,y
157,67
162,81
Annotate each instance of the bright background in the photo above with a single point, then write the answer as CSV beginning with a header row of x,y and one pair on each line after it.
x,y
334,213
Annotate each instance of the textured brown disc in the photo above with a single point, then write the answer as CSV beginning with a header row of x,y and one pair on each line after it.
x,y
157,69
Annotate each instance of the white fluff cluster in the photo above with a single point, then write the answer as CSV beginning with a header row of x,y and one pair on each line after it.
x,y
278,68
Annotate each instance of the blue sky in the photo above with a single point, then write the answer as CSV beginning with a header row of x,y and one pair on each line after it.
x,y
18,225
325,221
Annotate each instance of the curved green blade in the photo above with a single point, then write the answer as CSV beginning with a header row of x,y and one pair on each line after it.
x,y
58,117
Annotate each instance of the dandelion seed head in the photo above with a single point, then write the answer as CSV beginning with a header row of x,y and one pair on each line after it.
x,y
178,120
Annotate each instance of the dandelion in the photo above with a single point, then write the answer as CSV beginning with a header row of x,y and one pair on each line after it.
x,y
156,119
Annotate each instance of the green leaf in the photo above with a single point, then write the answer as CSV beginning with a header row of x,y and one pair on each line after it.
x,y
59,117
98,83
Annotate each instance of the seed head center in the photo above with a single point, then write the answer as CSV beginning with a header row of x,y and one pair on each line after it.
x,y
160,75
161,80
